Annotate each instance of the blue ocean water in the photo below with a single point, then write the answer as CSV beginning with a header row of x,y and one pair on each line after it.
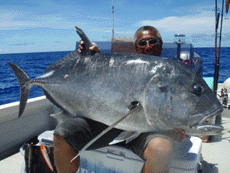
x,y
34,64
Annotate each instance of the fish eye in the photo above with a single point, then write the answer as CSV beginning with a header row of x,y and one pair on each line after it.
x,y
196,89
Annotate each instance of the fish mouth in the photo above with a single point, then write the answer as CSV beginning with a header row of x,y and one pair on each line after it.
x,y
199,119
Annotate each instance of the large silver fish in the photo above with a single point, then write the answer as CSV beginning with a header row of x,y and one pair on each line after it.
x,y
105,87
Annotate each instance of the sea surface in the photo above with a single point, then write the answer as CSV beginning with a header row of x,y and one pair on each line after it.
x,y
34,64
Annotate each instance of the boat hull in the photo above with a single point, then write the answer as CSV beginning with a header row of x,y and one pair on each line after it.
x,y
15,131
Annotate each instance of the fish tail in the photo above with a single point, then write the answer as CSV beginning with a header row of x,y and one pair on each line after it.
x,y
25,86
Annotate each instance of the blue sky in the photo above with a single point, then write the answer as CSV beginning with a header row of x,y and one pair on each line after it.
x,y
40,26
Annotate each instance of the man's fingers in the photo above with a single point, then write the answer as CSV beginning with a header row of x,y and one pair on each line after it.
x,y
80,46
178,134
94,48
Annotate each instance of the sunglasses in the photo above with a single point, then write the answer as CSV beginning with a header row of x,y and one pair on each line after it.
x,y
151,41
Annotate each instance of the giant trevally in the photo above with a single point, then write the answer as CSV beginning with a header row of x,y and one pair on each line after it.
x,y
105,87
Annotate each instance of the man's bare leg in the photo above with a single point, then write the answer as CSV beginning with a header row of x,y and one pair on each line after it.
x,y
63,154
158,155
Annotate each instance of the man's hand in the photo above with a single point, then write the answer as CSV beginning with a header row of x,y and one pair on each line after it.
x,y
178,134
93,48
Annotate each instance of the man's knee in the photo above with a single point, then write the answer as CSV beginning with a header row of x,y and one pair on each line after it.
x,y
58,139
63,154
60,143
159,148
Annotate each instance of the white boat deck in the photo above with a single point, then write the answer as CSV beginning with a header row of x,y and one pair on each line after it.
x,y
216,157
12,164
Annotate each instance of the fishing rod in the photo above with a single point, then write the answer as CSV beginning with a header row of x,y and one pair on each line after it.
x,y
216,65
217,57
221,24
112,19
112,39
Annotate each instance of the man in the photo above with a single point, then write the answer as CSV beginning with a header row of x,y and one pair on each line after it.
x,y
156,149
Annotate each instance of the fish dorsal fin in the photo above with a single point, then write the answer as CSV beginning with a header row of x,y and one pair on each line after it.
x,y
73,55
86,40
69,57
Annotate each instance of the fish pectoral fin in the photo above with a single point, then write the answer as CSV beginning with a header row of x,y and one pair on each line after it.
x,y
61,116
106,130
125,136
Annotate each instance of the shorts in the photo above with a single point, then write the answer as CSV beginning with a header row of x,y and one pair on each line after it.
x,y
79,131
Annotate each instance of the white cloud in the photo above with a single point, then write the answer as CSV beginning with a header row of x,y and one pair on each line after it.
x,y
13,19
193,24
16,25
25,23
16,19
199,28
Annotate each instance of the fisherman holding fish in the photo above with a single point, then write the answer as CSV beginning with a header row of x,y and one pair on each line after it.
x,y
156,149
